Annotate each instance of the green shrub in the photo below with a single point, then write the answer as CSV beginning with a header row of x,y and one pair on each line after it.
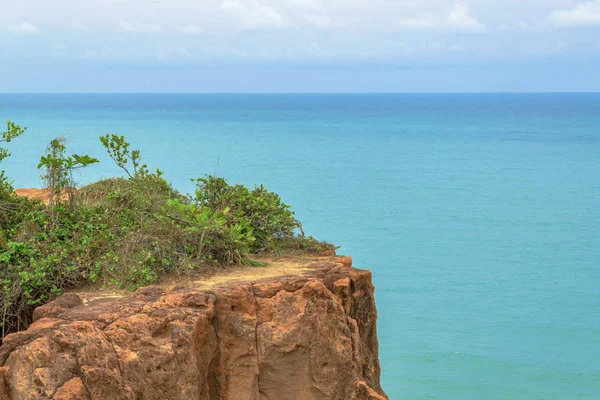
x,y
59,168
128,232
9,202
12,131
271,220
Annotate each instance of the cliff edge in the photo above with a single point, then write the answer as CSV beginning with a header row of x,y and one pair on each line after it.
x,y
296,329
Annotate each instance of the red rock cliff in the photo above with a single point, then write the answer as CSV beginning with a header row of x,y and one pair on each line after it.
x,y
293,330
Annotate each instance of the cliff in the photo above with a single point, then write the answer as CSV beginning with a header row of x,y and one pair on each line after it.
x,y
296,329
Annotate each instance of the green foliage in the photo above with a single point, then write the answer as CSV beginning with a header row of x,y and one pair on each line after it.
x,y
6,190
128,232
12,131
270,219
9,202
40,259
59,170
118,150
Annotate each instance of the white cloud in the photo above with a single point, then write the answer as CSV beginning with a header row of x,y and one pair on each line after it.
x,y
516,26
182,50
581,15
459,18
269,14
23,28
169,53
252,14
312,12
417,23
306,3
190,29
318,19
119,51
127,26
294,29
523,25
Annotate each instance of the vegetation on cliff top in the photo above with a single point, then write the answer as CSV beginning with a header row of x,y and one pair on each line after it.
x,y
128,231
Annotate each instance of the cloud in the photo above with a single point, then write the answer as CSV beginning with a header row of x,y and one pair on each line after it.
x,y
516,26
252,14
296,30
258,15
583,14
523,25
168,53
459,18
190,29
417,23
23,28
306,3
318,19
309,12
126,26
182,50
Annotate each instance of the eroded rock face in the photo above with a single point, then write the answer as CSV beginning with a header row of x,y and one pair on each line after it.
x,y
305,336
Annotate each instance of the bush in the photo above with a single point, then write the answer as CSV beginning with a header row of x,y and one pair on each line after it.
x,y
128,232
59,168
271,220
9,202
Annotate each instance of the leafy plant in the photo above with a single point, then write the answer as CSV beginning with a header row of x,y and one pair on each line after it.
x,y
59,170
9,202
118,149
270,218
129,232
12,131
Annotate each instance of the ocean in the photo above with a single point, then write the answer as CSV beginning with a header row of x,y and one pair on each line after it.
x,y
479,214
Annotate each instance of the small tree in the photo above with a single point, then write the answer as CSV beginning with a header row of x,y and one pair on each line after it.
x,y
6,190
59,171
12,131
118,150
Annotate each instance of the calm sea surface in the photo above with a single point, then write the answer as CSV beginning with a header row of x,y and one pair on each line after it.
x,y
478,214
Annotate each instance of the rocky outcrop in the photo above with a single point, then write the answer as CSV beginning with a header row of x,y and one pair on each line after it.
x,y
307,332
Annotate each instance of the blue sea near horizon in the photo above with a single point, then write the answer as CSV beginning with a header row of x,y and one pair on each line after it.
x,y
477,213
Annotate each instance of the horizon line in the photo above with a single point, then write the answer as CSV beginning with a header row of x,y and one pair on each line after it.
x,y
297,93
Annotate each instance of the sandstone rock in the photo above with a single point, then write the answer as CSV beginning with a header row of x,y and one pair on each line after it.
x,y
57,307
72,390
305,335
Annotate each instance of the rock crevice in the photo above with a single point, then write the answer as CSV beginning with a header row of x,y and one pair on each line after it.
x,y
307,334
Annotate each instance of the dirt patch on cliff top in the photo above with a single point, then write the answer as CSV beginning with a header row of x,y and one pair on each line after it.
x,y
38,194
297,265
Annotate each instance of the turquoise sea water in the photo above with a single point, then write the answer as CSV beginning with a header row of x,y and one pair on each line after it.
x,y
478,214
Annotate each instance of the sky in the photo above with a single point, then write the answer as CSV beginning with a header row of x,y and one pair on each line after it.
x,y
299,46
